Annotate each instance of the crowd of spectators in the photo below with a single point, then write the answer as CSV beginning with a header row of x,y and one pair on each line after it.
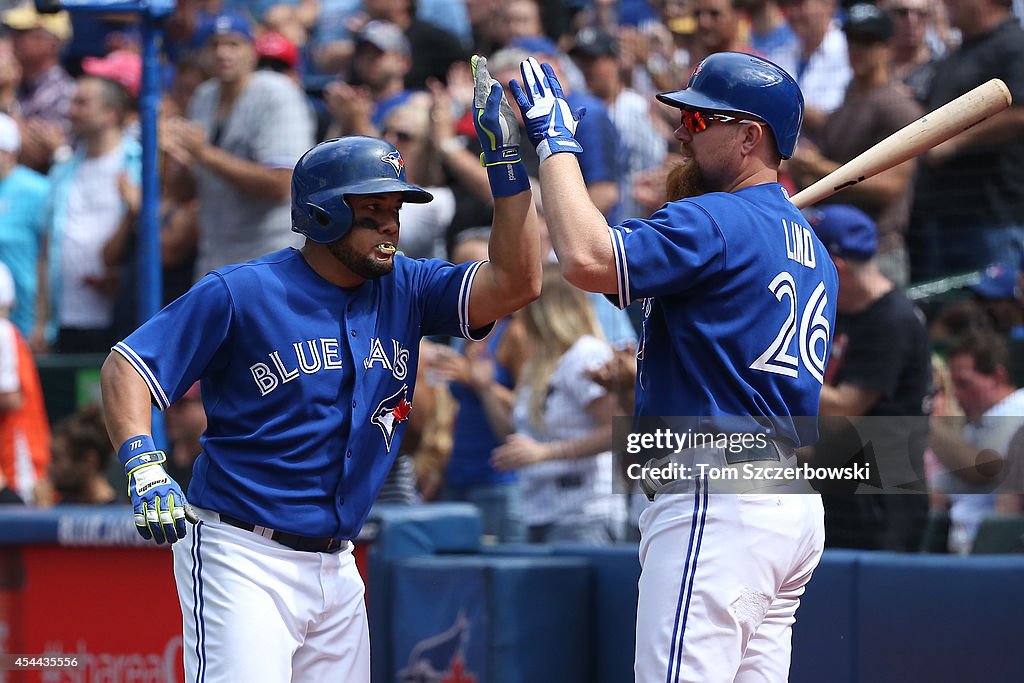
x,y
519,424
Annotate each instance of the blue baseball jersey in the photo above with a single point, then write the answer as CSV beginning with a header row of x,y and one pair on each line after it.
x,y
307,386
739,308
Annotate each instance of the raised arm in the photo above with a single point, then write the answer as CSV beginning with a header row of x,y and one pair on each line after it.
x,y
511,279
579,233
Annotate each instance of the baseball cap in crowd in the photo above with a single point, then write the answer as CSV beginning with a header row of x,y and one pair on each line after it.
x,y
594,42
120,66
10,138
384,36
999,281
866,23
275,47
26,18
221,25
846,231
6,287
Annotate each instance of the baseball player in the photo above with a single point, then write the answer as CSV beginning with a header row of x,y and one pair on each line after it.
x,y
308,363
739,305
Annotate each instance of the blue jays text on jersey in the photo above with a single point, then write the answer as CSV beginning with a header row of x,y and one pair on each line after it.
x,y
313,355
741,304
306,385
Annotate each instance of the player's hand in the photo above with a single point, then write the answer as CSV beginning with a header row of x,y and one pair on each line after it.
x,y
160,506
495,122
498,130
550,123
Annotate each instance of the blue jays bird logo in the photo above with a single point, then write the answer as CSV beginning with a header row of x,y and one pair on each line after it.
x,y
396,161
391,412
439,658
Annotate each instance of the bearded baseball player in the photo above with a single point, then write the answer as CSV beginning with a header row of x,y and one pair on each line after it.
x,y
308,362
739,305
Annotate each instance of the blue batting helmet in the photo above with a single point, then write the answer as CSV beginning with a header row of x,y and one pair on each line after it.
x,y
351,165
734,82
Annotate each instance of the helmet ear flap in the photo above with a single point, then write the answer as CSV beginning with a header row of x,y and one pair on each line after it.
x,y
318,214
325,223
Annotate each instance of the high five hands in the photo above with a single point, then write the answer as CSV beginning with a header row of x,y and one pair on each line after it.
x,y
550,122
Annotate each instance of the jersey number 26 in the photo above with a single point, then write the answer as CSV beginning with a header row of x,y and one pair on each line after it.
x,y
815,333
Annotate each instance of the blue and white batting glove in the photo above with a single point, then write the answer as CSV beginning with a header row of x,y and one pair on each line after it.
x,y
550,123
160,506
498,130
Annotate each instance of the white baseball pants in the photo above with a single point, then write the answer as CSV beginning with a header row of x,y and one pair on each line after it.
x,y
722,575
255,610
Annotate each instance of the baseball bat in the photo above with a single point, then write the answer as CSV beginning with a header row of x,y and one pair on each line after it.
x,y
917,137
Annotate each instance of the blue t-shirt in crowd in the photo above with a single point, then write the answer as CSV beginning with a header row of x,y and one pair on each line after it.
x,y
23,194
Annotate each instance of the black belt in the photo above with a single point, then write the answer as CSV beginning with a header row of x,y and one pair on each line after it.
x,y
307,544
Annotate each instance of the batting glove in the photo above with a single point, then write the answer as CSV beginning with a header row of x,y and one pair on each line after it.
x,y
160,506
550,123
498,130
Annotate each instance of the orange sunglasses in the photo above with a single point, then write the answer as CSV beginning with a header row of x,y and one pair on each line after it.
x,y
696,122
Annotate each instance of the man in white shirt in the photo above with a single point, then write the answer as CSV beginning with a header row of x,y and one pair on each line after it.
x,y
995,410
245,131
819,61
84,209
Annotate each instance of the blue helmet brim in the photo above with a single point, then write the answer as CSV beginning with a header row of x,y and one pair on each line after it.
x,y
410,193
690,99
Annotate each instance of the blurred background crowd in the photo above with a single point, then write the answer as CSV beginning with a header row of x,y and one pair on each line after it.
x,y
929,253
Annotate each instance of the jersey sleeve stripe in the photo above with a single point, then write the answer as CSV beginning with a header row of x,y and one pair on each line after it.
x,y
159,397
464,291
621,269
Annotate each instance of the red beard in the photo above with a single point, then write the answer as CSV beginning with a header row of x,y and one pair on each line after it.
x,y
685,179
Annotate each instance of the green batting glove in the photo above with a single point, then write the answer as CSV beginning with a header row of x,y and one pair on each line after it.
x,y
498,131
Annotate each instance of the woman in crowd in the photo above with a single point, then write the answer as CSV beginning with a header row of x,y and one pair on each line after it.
x,y
562,422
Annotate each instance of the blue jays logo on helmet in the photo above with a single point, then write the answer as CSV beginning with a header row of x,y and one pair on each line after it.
x,y
396,161
356,164
738,83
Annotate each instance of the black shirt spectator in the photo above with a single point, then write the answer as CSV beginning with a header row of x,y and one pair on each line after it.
x,y
999,171
880,368
969,198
